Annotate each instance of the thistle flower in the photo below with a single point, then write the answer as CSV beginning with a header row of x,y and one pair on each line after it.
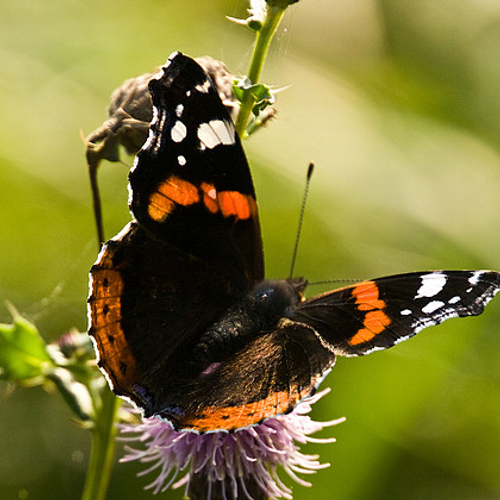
x,y
230,466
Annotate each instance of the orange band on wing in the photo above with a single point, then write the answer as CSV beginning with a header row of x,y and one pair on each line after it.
x,y
232,203
176,191
367,296
105,323
210,197
235,417
173,191
375,321
159,207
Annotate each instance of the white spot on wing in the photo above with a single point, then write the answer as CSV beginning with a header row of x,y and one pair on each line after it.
x,y
181,160
432,306
159,126
405,312
454,300
373,349
203,88
474,279
178,132
432,284
402,339
172,56
179,110
216,132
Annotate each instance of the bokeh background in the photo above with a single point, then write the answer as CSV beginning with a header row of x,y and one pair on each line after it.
x,y
396,101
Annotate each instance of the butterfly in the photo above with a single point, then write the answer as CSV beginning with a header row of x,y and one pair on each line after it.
x,y
184,323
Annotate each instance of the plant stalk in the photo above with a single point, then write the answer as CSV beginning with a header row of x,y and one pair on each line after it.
x,y
103,447
262,43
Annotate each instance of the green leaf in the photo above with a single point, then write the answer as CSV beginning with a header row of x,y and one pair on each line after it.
x,y
240,86
23,353
261,92
262,95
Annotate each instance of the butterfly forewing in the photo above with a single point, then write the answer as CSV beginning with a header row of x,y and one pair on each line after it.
x,y
191,184
380,313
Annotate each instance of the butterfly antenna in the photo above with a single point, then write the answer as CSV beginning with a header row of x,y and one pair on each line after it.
x,y
301,216
337,281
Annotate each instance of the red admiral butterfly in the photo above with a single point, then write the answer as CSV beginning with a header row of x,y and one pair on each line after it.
x,y
184,324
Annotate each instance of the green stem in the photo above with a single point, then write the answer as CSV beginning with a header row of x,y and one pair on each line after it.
x,y
103,447
262,42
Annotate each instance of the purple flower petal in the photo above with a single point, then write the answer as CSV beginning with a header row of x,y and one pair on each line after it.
x,y
233,464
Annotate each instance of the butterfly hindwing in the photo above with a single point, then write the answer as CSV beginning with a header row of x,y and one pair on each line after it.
x,y
145,312
268,376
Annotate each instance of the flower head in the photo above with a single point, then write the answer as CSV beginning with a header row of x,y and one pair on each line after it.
x,y
229,466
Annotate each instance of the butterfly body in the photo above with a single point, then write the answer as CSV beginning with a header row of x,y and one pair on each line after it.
x,y
185,325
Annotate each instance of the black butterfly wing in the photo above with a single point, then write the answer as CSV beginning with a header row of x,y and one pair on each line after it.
x,y
148,304
279,368
377,314
191,183
196,245
269,376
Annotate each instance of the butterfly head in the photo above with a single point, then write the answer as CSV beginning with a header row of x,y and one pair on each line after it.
x,y
271,298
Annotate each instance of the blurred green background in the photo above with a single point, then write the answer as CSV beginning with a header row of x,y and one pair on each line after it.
x,y
397,102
